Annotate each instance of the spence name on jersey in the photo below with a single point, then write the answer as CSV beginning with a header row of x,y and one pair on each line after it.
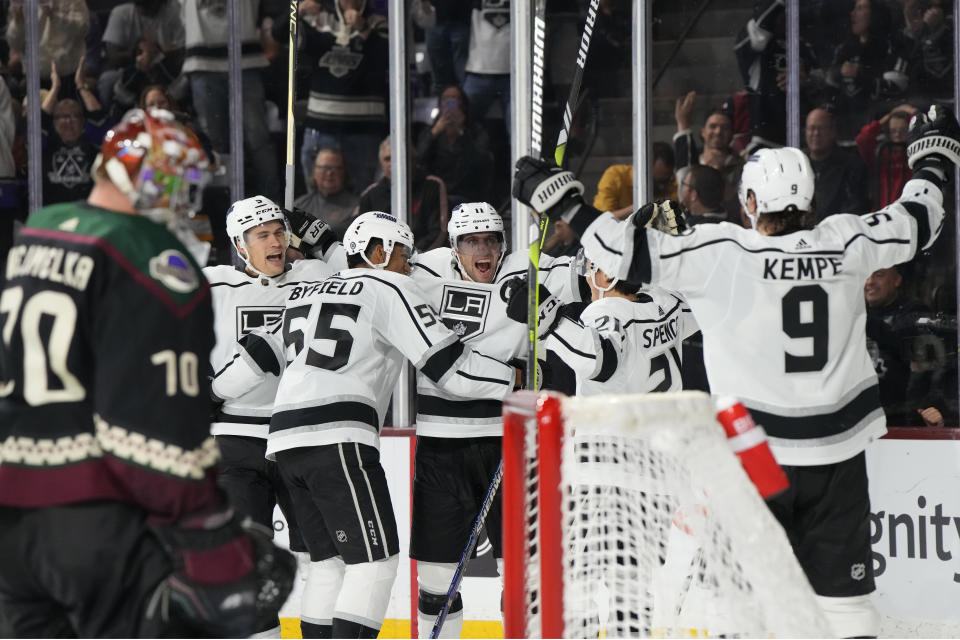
x,y
477,313
647,334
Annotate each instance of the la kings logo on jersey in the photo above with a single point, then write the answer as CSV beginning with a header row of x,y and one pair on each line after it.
x,y
464,310
250,318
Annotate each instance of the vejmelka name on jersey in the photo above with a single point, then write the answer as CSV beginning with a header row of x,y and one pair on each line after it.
x,y
50,263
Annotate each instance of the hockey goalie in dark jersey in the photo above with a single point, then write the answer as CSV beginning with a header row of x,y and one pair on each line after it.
x,y
110,518
339,352
783,320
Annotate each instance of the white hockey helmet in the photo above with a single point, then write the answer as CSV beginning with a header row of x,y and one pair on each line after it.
x,y
248,213
376,224
475,217
781,180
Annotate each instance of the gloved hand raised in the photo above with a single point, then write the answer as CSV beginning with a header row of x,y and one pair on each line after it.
x,y
545,187
933,140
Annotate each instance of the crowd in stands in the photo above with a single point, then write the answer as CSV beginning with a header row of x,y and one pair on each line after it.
x,y
866,66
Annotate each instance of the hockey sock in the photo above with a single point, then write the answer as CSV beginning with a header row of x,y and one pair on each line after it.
x,y
348,629
311,630
429,607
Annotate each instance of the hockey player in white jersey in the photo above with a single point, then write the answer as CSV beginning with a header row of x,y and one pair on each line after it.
x,y
459,439
245,299
346,340
645,326
783,324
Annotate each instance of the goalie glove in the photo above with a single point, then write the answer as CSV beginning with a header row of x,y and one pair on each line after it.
x,y
229,580
316,236
548,311
545,187
663,215
933,141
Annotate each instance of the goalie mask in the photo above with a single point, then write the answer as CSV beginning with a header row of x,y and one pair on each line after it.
x,y
247,214
780,179
472,218
376,225
156,162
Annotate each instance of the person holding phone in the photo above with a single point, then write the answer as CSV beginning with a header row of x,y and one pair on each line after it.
x,y
456,150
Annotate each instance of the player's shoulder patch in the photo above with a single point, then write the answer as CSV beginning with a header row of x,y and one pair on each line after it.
x,y
174,270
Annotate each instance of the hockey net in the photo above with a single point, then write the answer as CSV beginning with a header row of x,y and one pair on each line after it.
x,y
629,516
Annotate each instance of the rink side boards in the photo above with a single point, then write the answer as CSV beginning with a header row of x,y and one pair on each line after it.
x,y
915,513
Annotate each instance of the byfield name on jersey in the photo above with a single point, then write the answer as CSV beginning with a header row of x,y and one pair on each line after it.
x,y
661,334
801,268
333,287
50,263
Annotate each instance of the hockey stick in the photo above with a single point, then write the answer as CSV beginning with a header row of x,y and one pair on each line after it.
x,y
573,102
536,146
291,128
471,545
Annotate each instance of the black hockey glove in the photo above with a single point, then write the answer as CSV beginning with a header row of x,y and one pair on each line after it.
x,y
545,187
663,215
548,310
934,141
315,235
229,579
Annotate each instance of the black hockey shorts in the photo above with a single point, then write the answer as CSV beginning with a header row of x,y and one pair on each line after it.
x,y
826,514
83,570
451,479
253,484
341,501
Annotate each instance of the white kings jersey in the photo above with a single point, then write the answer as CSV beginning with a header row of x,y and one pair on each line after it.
x,y
650,333
241,304
477,313
783,317
346,340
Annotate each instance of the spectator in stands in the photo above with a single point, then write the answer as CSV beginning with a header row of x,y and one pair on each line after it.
x,y
71,143
867,66
840,174
891,331
488,63
717,133
62,25
456,150
883,148
429,210
762,57
151,67
927,42
448,42
145,36
701,193
206,64
329,199
67,156
615,189
347,109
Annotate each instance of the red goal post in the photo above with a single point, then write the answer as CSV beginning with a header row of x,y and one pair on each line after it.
x,y
630,516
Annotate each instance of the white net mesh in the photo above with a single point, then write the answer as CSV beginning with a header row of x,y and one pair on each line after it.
x,y
664,535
